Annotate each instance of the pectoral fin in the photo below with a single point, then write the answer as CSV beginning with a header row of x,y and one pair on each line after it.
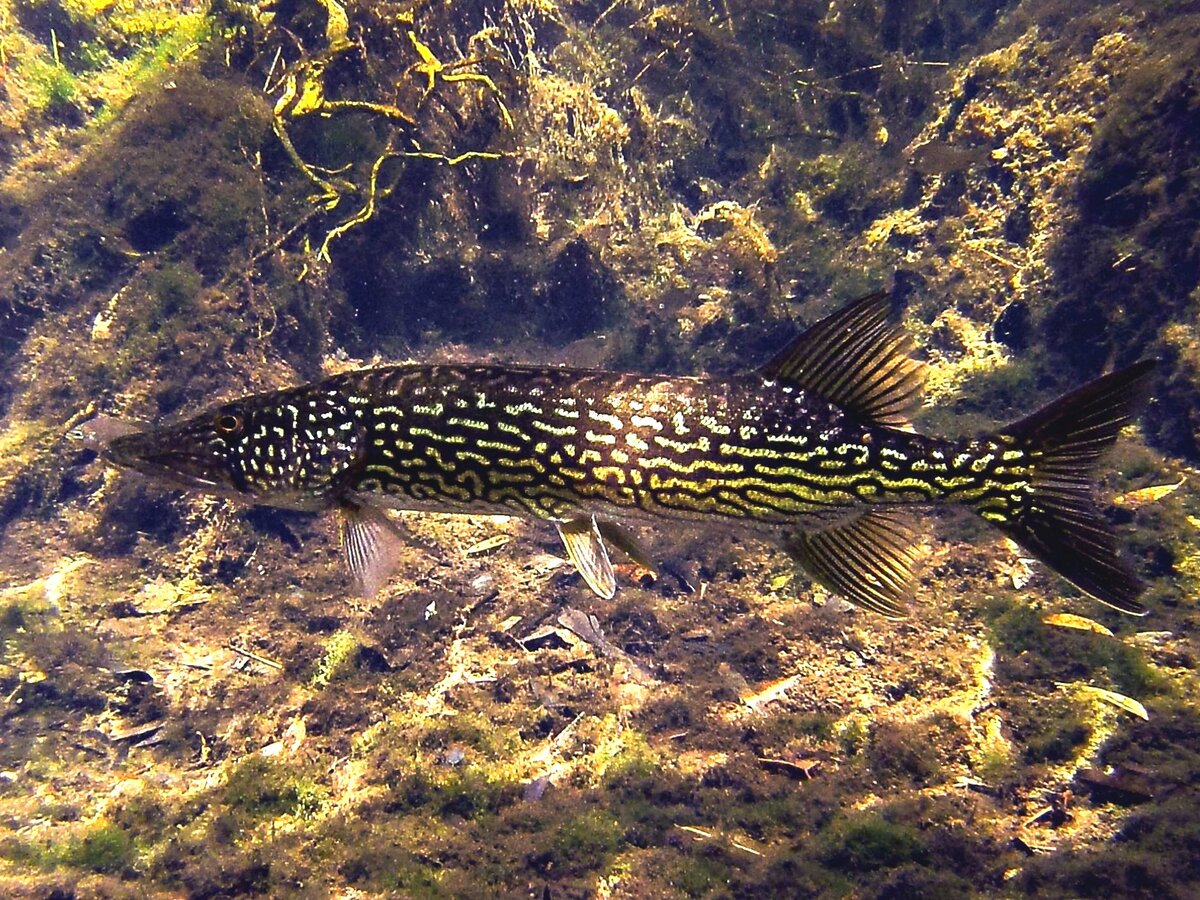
x,y
867,560
586,550
371,545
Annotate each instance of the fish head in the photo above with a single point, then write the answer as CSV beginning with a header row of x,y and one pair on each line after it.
x,y
200,453
295,449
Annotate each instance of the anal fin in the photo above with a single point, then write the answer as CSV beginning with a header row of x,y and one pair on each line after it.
x,y
586,550
371,545
867,560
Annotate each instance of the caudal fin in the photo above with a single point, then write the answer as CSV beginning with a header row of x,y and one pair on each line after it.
x,y
1056,519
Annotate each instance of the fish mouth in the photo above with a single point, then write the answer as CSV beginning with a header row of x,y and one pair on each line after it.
x,y
178,469
143,452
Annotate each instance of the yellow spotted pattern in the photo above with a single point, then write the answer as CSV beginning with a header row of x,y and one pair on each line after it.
x,y
553,443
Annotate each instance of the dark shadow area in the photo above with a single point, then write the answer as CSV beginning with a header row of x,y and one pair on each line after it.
x,y
1129,263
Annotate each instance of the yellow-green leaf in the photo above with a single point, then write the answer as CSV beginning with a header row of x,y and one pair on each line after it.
x,y
779,582
1080,623
337,27
1120,701
488,544
1151,494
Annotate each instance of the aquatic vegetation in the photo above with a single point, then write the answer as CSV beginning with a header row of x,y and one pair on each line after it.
x,y
386,131
853,732
77,64
20,445
995,761
52,88
341,651
866,842
260,787
582,843
103,848
1065,726
900,750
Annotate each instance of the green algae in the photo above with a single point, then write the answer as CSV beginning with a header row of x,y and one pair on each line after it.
x,y
867,842
174,288
54,665
699,876
582,843
899,751
53,89
469,792
261,788
338,660
853,733
1019,630
1061,727
103,848
96,57
994,764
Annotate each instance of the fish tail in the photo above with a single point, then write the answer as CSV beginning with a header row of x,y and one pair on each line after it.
x,y
1051,512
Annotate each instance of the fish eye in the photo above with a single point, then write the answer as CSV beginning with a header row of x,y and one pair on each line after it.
x,y
228,423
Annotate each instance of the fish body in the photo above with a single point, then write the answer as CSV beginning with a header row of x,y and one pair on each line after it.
x,y
936,157
557,443
814,447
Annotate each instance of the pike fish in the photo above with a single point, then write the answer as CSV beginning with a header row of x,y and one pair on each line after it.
x,y
814,449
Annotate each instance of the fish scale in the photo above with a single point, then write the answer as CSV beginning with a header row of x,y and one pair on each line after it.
x,y
814,447
547,442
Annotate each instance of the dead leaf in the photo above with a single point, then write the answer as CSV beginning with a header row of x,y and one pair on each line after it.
x,y
1127,784
508,624
536,789
803,769
495,542
545,563
295,735
134,676
587,628
1022,572
135,734
769,694
1152,494
1079,623
1044,813
1112,698
1032,849
1151,638
251,655
548,637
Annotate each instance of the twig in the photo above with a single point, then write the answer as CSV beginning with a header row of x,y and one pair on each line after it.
x,y
250,654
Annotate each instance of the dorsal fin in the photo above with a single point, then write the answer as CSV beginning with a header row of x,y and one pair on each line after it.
x,y
857,358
